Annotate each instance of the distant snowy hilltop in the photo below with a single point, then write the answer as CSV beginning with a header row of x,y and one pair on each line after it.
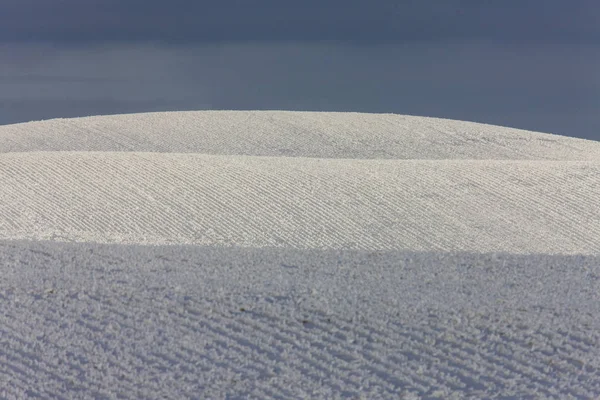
x,y
299,180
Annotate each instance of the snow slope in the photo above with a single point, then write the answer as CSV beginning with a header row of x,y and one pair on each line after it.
x,y
297,255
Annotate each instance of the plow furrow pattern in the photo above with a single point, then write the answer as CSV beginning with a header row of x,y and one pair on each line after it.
x,y
203,346
133,330
302,203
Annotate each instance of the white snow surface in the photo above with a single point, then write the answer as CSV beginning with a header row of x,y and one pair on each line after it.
x,y
271,254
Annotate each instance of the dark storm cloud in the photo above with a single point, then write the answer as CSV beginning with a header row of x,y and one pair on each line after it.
x,y
530,64
548,88
366,21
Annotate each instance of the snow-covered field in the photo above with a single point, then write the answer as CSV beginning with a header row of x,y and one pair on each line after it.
x,y
290,255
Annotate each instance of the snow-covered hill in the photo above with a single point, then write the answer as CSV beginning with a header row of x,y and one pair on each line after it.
x,y
297,255
295,134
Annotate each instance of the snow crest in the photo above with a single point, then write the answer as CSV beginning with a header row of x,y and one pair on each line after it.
x,y
274,254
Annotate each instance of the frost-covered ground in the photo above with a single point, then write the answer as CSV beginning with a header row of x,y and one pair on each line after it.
x,y
297,255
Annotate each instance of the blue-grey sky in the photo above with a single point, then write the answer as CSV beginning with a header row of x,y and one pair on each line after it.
x,y
531,64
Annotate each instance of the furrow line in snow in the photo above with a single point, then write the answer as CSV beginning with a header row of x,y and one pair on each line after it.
x,y
24,367
170,206
37,203
315,350
215,335
303,208
428,346
582,187
550,211
511,204
323,344
522,358
217,203
90,187
417,349
382,208
252,339
304,347
239,194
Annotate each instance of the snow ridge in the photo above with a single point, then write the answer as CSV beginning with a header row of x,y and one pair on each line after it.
x,y
297,255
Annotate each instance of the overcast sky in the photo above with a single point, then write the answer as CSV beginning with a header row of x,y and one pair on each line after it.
x,y
531,64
